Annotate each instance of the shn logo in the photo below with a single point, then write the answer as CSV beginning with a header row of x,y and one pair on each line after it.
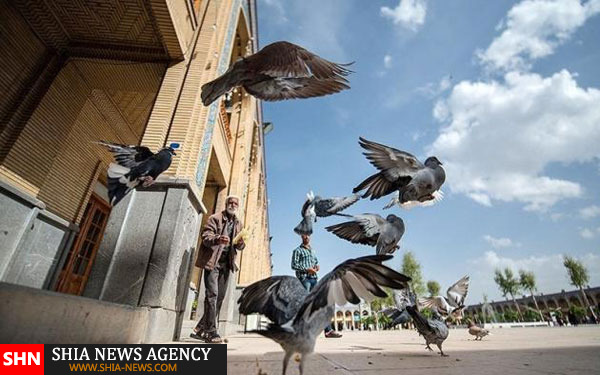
x,y
21,358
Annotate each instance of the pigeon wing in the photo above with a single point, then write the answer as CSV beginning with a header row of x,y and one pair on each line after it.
x,y
436,303
327,207
394,163
363,229
355,279
458,292
278,298
284,59
128,156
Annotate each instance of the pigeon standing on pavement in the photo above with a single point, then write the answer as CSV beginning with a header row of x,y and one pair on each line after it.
x,y
315,206
415,183
136,164
453,303
476,331
372,230
299,316
434,330
280,71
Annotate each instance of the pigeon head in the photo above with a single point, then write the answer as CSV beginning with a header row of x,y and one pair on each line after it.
x,y
432,162
172,147
391,218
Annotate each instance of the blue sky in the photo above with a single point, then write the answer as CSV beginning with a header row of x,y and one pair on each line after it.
x,y
509,102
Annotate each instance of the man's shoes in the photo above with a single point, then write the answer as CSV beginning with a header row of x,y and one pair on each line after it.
x,y
333,335
197,335
213,338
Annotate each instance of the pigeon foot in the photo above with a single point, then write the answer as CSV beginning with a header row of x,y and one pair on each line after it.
x,y
148,181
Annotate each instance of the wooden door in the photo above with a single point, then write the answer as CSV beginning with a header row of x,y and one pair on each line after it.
x,y
78,266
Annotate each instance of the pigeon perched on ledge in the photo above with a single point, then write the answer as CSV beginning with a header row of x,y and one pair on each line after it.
x,y
299,316
280,71
136,164
453,303
315,206
416,183
372,230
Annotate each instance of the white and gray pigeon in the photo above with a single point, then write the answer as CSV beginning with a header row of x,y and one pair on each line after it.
x,y
398,314
373,230
453,303
299,316
136,164
315,206
280,71
434,330
415,183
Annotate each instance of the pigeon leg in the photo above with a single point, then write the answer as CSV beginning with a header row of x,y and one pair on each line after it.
x,y
286,360
428,348
441,351
302,362
148,181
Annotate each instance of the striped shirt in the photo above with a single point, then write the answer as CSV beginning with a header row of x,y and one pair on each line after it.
x,y
302,259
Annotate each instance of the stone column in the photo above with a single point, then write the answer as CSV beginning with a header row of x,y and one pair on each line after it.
x,y
146,253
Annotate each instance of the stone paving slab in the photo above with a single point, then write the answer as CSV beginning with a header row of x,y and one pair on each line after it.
x,y
557,350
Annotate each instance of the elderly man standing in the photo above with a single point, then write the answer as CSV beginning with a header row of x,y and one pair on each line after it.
x,y
217,257
306,265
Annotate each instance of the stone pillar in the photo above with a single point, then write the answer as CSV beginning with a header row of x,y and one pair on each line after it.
x,y
146,253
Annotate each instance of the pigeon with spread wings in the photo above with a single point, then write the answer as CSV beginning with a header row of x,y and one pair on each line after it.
x,y
280,71
372,230
315,206
453,303
415,183
136,164
298,316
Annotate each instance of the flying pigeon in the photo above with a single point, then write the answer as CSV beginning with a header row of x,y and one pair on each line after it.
x,y
315,206
416,183
299,316
280,71
434,330
476,331
453,303
372,230
398,314
136,164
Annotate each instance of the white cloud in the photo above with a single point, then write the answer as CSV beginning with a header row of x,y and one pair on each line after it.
x,y
499,242
279,10
432,89
589,233
409,14
499,137
387,61
589,212
533,29
551,276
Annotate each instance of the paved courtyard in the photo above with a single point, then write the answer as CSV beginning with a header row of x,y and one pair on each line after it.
x,y
558,350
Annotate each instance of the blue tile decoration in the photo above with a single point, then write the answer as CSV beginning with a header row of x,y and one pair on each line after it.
x,y
224,57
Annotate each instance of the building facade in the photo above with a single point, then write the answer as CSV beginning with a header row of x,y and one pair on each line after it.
x,y
351,317
126,71
547,302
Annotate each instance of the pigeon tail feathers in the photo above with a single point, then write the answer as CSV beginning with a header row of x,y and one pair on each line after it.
x,y
305,227
212,90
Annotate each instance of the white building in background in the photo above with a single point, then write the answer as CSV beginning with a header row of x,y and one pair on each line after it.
x,y
349,316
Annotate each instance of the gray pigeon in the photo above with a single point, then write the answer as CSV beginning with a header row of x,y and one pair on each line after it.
x,y
136,164
298,316
315,206
398,314
280,71
434,330
453,304
372,230
415,183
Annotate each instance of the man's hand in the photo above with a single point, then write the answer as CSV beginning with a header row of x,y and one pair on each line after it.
x,y
311,271
223,240
316,268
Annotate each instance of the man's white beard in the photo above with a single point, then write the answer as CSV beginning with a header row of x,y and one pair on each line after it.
x,y
231,211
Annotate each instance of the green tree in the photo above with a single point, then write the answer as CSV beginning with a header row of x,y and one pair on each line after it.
x,y
508,284
433,287
579,277
527,282
412,269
